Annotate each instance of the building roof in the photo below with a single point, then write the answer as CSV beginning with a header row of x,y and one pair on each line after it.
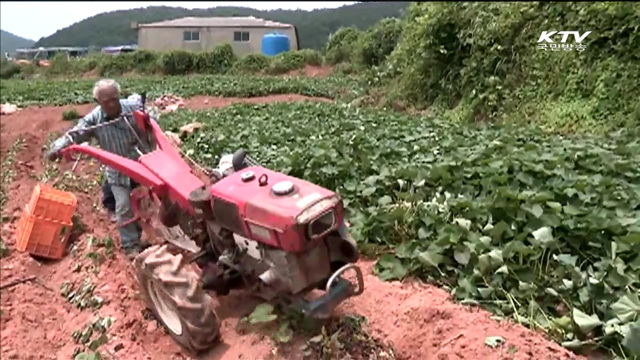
x,y
192,22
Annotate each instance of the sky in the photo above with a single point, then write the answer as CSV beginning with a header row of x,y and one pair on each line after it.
x,y
35,19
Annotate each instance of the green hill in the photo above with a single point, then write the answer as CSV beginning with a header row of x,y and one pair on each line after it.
x,y
10,42
114,28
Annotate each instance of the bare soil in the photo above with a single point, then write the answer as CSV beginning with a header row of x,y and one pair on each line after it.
x,y
418,320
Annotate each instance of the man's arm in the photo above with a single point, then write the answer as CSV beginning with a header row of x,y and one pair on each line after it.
x,y
78,133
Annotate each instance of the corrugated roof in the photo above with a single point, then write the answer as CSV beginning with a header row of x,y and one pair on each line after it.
x,y
249,21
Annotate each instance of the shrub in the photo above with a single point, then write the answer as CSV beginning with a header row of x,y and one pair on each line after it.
x,y
59,65
217,61
497,72
8,69
346,68
310,56
341,45
71,114
87,63
374,45
27,70
116,64
145,61
177,62
251,64
294,60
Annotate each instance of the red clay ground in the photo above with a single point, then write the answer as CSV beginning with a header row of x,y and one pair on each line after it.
x,y
36,323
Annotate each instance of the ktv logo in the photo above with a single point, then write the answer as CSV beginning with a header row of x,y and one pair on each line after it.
x,y
546,38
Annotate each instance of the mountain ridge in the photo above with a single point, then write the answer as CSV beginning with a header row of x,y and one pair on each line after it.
x,y
9,42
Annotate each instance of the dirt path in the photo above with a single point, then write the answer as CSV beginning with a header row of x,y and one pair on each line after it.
x,y
37,322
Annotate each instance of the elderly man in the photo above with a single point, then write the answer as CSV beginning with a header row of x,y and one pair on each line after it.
x,y
118,138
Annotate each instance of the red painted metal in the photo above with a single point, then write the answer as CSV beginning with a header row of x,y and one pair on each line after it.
x,y
163,142
142,118
177,176
258,205
162,170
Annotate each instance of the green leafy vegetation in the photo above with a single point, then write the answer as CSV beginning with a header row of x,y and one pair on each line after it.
x,y
81,296
78,91
364,49
480,61
90,338
251,64
98,251
293,60
337,338
180,62
70,115
345,338
375,44
313,26
341,44
217,61
526,224
9,69
221,60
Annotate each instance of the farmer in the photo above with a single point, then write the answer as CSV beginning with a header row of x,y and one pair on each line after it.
x,y
117,138
109,201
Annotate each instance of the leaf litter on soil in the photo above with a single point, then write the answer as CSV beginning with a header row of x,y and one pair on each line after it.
x,y
336,338
541,228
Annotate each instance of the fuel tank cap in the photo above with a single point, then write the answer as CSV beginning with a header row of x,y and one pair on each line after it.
x,y
282,188
247,176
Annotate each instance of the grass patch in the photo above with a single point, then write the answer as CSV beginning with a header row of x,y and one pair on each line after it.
x,y
70,115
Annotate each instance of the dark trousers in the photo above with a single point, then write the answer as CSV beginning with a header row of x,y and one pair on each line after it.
x,y
108,200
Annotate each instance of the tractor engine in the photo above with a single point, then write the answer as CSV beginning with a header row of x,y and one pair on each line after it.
x,y
277,234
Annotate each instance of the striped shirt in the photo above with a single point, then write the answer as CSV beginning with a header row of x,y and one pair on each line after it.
x,y
117,138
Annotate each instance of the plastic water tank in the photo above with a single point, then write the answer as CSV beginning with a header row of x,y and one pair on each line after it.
x,y
275,43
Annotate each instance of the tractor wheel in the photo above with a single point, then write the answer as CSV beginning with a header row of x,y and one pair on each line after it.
x,y
174,295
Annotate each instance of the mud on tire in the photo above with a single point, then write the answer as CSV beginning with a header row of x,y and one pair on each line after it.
x,y
177,300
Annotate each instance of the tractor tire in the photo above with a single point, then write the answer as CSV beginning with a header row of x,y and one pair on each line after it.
x,y
177,300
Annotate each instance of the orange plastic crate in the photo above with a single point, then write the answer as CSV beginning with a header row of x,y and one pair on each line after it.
x,y
46,224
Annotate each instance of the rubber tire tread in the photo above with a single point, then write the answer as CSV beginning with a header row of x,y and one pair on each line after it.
x,y
200,324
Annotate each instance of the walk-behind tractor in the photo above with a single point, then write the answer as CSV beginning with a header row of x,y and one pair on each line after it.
x,y
273,235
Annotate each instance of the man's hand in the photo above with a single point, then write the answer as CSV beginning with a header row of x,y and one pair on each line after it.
x,y
54,151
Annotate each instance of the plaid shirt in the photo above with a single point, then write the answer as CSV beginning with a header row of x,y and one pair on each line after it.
x,y
117,138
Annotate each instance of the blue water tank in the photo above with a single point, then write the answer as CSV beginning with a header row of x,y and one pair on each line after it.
x,y
275,43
